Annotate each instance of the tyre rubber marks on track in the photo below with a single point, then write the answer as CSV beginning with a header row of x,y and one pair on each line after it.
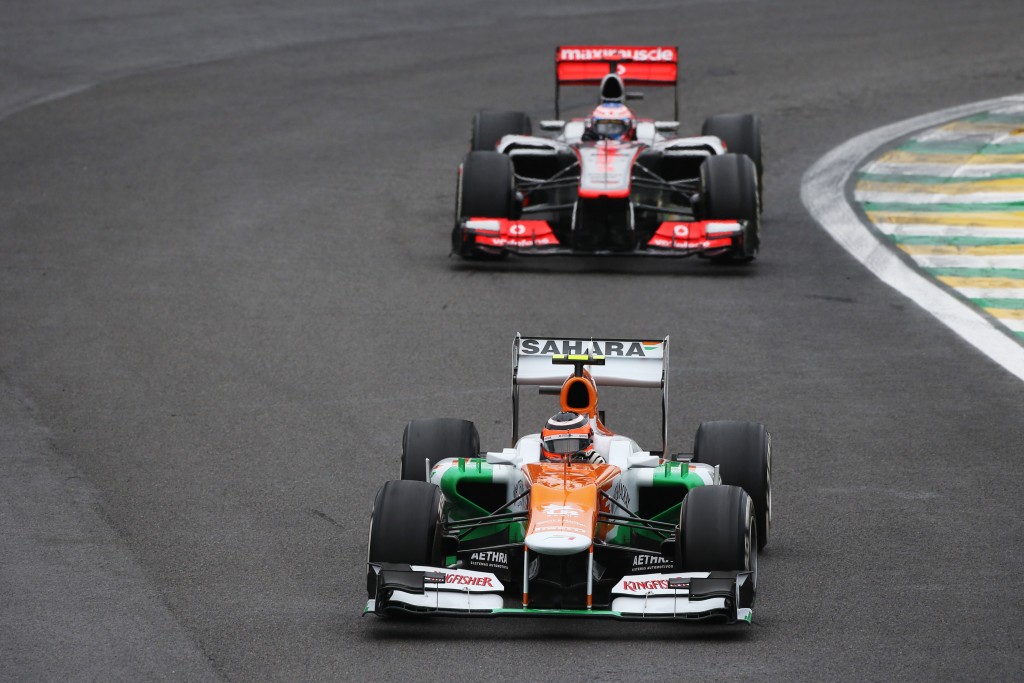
x,y
952,197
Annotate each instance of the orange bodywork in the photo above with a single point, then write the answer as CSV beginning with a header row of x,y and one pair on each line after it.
x,y
564,496
579,395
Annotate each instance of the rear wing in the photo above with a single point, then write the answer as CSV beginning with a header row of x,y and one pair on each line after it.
x,y
587,65
627,363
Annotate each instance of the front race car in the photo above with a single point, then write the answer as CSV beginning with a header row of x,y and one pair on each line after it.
x,y
630,534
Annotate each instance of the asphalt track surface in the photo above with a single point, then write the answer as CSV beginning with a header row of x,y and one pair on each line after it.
x,y
224,288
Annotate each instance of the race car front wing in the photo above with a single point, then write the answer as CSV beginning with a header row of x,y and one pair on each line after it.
x,y
536,238
684,596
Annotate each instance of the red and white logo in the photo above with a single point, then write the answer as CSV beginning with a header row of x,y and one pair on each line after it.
x,y
632,54
652,583
464,580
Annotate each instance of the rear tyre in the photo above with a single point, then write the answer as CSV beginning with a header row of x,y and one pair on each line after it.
x,y
434,439
742,135
486,189
743,453
717,531
405,527
728,184
489,127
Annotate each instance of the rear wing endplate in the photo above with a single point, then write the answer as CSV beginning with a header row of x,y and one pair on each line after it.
x,y
627,363
637,65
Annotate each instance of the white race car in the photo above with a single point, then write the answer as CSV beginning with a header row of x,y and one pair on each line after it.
x,y
610,184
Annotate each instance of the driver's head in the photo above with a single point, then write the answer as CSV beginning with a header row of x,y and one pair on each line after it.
x,y
566,434
612,121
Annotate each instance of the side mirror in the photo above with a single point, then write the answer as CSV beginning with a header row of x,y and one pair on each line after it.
x,y
643,459
552,126
506,456
666,126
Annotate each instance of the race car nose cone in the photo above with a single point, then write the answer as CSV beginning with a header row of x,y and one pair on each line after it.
x,y
557,542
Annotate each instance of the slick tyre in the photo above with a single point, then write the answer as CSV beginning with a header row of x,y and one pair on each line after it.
x,y
434,439
743,453
728,188
486,186
742,135
717,531
405,527
486,189
489,127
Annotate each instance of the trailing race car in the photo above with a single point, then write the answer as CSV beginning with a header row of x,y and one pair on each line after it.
x,y
575,520
610,184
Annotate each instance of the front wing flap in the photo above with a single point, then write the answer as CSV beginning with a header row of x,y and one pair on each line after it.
x,y
683,596
536,238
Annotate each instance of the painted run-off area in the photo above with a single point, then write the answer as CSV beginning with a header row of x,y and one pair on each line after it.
x,y
952,198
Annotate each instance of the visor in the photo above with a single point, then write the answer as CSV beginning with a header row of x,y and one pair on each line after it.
x,y
610,128
566,444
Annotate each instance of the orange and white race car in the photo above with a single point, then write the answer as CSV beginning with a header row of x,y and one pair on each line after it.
x,y
576,519
610,183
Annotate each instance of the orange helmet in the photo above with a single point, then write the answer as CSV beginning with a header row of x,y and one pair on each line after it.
x,y
566,435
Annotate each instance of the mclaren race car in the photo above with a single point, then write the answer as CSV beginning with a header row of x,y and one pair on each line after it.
x,y
610,184
576,520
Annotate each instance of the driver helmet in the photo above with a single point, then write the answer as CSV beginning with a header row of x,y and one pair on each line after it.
x,y
566,434
613,121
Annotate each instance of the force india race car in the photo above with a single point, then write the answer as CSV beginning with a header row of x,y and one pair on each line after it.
x,y
640,536
650,193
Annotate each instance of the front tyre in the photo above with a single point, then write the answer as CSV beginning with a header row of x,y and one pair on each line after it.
x,y
741,134
717,532
743,453
728,188
486,189
405,527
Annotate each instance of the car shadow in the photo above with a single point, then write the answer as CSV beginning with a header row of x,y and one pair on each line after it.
x,y
692,267
566,629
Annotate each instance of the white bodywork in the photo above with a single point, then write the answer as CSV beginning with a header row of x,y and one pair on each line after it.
x,y
647,135
642,595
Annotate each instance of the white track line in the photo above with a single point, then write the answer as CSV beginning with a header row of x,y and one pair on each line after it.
x,y
822,192
966,261
944,230
991,293
950,170
883,197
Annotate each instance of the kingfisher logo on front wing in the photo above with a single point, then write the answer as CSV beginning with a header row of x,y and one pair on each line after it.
x,y
621,349
459,579
649,585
